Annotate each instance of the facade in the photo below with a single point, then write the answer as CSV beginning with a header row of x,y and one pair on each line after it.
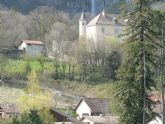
x,y
32,48
92,107
101,27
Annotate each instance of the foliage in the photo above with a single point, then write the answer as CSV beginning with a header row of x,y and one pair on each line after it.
x,y
136,75
42,116
3,64
35,97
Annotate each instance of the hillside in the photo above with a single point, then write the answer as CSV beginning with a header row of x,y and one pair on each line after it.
x,y
70,6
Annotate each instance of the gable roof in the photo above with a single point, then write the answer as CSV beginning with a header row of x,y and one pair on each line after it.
x,y
105,19
62,117
35,42
96,105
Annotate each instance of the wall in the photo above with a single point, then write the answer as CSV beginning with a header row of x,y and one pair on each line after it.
x,y
35,50
101,32
91,33
83,108
22,46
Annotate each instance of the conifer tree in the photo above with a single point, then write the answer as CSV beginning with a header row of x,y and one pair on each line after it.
x,y
34,96
136,75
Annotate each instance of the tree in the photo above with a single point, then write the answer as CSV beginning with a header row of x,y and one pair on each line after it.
x,y
35,97
3,62
42,116
136,75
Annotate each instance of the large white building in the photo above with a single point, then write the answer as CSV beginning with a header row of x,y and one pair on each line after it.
x,y
100,27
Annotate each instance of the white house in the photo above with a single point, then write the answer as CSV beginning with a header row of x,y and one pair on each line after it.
x,y
100,27
92,107
32,48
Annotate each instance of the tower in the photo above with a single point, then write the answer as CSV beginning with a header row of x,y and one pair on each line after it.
x,y
82,25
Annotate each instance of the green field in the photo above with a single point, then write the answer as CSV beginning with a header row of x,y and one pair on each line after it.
x,y
16,67
16,71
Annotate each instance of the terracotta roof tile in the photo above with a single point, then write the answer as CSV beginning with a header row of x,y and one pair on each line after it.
x,y
33,42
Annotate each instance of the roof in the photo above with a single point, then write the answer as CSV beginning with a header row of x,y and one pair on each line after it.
x,y
35,42
62,117
102,119
10,109
96,105
106,19
82,18
157,120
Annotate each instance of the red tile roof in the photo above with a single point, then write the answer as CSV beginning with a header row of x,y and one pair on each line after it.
x,y
33,42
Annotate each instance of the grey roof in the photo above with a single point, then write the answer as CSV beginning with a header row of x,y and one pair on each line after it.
x,y
82,18
10,109
102,119
69,118
96,105
106,19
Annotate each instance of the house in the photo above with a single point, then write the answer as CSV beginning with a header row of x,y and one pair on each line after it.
x,y
100,120
92,107
62,118
8,111
32,48
100,27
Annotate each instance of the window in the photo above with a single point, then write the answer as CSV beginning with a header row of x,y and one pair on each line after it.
x,y
117,30
85,114
103,30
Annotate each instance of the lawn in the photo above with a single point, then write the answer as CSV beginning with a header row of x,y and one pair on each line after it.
x,y
9,95
15,67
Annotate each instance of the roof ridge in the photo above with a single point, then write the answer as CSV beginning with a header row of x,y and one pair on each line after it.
x,y
99,18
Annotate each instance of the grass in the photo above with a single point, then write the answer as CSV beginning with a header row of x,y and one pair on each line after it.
x,y
9,95
18,67
15,67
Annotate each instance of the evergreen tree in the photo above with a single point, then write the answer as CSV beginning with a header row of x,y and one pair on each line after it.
x,y
34,96
136,75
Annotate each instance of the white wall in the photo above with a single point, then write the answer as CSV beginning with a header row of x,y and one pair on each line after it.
x,y
86,121
82,28
83,108
96,33
91,33
22,46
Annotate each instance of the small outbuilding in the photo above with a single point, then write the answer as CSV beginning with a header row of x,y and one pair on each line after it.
x,y
32,48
